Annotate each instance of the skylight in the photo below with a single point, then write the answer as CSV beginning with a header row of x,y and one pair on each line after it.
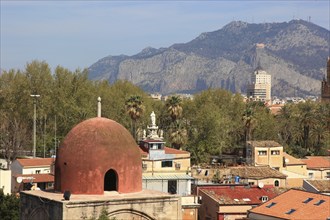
x,y
308,200
271,205
246,199
290,211
319,202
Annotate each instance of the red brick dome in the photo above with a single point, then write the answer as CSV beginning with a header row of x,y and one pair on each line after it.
x,y
98,155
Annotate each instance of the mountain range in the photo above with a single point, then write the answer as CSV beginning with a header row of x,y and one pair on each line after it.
x,y
294,53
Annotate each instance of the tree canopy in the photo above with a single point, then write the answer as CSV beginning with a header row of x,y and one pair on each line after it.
x,y
214,122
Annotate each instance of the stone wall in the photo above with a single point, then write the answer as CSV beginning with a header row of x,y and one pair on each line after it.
x,y
43,206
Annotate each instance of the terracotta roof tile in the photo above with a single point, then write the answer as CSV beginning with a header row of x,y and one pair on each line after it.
x,y
256,172
238,194
169,150
322,186
316,162
33,162
294,199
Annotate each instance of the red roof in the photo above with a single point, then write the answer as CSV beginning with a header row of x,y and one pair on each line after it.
x,y
317,162
239,194
169,150
36,178
34,162
297,201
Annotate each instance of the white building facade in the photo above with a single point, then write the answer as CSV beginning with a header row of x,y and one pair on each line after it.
x,y
260,87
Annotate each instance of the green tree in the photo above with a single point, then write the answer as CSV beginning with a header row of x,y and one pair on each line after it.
x,y
9,206
178,137
135,109
174,108
249,123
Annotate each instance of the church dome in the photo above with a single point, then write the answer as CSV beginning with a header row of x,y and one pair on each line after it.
x,y
98,155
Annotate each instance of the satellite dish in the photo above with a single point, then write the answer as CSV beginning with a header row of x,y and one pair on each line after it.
x,y
19,179
260,185
286,160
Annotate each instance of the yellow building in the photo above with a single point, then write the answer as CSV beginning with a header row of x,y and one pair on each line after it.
x,y
261,153
295,169
318,167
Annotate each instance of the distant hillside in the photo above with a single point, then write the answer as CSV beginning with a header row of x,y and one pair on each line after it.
x,y
294,53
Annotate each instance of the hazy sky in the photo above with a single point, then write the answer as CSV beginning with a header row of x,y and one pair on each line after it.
x,y
76,34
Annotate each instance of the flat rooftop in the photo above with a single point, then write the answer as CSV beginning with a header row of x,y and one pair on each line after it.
x,y
108,195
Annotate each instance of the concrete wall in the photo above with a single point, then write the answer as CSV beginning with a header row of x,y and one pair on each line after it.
x,y
253,216
5,181
299,169
294,182
183,186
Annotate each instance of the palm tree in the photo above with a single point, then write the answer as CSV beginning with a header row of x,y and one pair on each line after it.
x,y
174,108
135,109
249,122
307,122
178,138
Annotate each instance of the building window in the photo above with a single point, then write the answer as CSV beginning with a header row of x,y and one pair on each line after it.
x,y
277,183
275,152
262,152
310,175
308,200
290,211
271,205
167,163
328,175
264,198
319,202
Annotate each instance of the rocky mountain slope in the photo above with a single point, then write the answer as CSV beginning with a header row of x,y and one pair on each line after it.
x,y
294,53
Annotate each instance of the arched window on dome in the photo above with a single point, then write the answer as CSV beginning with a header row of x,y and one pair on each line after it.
x,y
111,181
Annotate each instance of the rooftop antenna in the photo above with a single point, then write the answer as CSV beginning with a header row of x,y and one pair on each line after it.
x,y
99,107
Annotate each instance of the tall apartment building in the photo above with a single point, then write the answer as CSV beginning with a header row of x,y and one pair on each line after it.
x,y
260,87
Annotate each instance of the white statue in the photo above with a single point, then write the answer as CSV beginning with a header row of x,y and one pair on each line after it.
x,y
153,118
